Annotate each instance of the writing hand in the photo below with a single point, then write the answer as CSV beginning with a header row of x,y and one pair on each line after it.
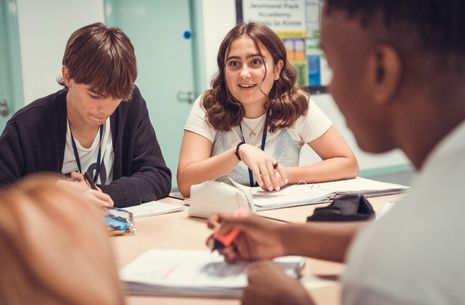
x,y
258,238
269,285
93,196
269,177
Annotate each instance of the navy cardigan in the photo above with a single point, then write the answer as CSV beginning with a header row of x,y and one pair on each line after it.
x,y
34,141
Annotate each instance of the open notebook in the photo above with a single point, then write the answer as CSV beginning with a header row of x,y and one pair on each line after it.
x,y
193,273
303,194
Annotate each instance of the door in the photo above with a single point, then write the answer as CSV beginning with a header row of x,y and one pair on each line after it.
x,y
11,95
161,34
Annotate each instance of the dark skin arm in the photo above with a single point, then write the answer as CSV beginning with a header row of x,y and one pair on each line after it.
x,y
260,238
269,285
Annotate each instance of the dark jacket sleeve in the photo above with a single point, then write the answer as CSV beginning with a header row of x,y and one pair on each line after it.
x,y
11,156
145,176
34,139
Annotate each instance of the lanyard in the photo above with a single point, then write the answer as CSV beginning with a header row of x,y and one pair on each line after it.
x,y
262,147
78,160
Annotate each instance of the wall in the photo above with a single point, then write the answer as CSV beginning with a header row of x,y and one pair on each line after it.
x,y
44,28
218,17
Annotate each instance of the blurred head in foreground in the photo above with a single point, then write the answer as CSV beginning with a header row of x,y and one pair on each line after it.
x,y
54,248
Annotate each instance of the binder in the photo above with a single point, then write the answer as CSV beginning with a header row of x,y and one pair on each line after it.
x,y
304,194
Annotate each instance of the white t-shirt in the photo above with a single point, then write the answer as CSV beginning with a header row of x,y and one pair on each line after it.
x,y
415,254
88,156
283,144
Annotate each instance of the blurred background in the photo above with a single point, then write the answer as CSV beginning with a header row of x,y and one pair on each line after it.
x,y
176,42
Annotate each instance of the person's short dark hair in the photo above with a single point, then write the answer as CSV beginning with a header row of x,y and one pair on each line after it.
x,y
439,24
102,57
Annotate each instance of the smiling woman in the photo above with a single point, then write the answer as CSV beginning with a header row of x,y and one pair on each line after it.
x,y
254,113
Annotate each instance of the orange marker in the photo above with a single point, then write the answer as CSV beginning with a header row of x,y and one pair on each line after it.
x,y
220,241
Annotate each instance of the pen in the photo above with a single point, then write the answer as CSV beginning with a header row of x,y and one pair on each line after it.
x,y
89,181
221,241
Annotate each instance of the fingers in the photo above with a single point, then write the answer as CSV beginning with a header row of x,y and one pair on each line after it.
x,y
280,170
223,225
99,199
230,254
214,221
209,242
268,177
75,176
273,177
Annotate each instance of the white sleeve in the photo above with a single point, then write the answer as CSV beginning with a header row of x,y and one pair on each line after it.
x,y
314,124
197,121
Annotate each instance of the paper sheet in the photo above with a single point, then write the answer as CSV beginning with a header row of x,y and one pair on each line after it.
x,y
193,272
152,208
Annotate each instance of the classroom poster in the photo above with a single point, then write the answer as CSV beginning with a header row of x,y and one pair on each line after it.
x,y
287,19
297,23
319,73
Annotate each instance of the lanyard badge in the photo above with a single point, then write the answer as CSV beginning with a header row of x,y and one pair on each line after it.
x,y
78,160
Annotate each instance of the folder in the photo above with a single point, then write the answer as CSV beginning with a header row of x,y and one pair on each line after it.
x,y
304,194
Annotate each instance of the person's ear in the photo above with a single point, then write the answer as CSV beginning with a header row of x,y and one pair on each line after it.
x,y
385,72
65,76
277,69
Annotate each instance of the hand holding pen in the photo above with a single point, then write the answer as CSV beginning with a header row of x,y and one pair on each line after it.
x,y
245,237
90,181
90,190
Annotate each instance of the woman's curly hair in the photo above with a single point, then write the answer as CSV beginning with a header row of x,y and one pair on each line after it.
x,y
285,104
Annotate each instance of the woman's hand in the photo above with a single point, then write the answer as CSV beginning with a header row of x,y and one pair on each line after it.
x,y
258,238
269,173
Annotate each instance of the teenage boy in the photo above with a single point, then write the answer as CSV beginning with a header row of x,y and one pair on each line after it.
x,y
97,124
398,75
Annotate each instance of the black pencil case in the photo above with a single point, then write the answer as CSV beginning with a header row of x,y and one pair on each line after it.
x,y
349,207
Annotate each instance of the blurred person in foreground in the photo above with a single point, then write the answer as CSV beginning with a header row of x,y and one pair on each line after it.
x,y
54,248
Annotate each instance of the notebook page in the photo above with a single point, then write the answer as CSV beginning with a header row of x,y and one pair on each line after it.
x,y
152,208
193,272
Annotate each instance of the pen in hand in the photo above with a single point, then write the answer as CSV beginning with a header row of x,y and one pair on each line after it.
x,y
90,181
223,240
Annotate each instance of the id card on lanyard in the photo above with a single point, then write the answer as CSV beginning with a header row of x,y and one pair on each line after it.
x,y
262,147
78,160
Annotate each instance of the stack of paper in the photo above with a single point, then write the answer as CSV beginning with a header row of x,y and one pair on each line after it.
x,y
367,187
303,194
153,208
293,195
193,273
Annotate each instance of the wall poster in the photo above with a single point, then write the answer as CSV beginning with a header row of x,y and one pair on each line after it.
x,y
297,23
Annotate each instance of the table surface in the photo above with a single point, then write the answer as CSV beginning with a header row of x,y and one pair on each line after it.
x,y
179,231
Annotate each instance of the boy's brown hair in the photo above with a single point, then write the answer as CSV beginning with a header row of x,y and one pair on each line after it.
x,y
103,58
